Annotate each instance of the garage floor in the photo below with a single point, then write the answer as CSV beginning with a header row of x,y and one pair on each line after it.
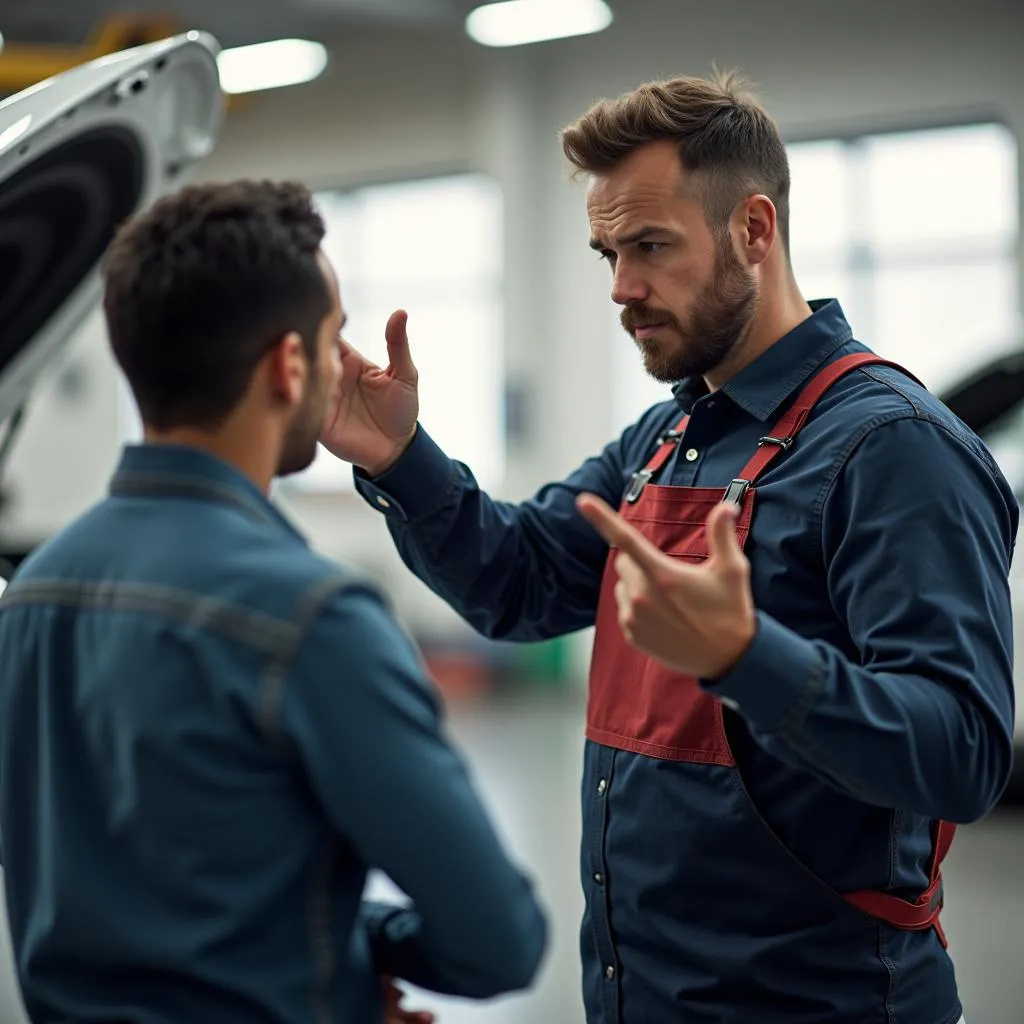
x,y
527,754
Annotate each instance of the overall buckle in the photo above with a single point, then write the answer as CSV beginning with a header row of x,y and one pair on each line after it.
x,y
637,482
785,443
735,491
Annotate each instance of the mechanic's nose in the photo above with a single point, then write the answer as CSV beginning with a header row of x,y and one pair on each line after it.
x,y
627,286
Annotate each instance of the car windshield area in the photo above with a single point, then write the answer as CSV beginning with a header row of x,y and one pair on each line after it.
x,y
1005,439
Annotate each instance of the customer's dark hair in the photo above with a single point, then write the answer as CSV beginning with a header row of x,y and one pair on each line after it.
x,y
726,140
201,284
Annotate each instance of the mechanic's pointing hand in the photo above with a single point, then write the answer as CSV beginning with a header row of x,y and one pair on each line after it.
x,y
696,619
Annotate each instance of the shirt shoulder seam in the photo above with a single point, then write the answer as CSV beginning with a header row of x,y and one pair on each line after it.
x,y
912,412
278,669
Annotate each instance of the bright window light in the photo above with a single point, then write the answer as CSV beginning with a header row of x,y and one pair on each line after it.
x,y
515,22
270,65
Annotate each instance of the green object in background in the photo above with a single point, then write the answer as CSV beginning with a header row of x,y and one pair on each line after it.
x,y
545,663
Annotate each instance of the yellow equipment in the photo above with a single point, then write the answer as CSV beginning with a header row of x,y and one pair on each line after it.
x,y
23,65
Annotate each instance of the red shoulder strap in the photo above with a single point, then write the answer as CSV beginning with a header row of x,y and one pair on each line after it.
x,y
923,912
666,442
785,430
789,426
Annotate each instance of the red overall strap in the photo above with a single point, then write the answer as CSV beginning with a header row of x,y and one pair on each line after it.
x,y
769,447
789,426
923,913
666,443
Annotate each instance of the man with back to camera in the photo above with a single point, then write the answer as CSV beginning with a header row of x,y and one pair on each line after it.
x,y
209,733
801,673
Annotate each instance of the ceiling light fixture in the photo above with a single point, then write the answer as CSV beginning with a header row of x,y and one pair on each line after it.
x,y
270,65
516,22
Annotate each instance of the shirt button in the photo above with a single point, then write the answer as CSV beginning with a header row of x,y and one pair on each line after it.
x,y
383,502
609,972
599,878
692,455
601,787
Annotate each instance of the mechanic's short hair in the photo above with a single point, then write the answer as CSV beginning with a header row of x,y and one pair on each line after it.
x,y
199,286
726,140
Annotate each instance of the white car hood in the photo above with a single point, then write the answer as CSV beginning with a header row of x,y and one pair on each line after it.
x,y
79,153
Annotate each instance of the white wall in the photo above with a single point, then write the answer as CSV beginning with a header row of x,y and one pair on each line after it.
x,y
400,105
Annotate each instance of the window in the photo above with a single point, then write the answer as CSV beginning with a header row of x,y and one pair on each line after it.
x,y
434,248
915,233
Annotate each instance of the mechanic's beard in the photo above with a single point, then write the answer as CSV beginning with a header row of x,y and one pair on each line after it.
x,y
716,326
299,448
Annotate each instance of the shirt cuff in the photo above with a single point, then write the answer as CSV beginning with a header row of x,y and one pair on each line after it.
x,y
776,682
415,486
385,923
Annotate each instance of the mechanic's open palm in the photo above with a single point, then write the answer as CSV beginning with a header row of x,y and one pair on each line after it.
x,y
375,416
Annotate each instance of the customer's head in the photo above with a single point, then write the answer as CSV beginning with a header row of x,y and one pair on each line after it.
x,y
688,201
221,307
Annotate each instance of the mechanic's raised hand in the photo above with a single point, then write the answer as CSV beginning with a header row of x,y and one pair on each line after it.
x,y
697,619
393,1011
374,419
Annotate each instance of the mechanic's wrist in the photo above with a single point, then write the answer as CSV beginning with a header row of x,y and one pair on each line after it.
x,y
734,652
380,468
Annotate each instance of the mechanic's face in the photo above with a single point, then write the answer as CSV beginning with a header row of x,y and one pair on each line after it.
x,y
299,447
686,297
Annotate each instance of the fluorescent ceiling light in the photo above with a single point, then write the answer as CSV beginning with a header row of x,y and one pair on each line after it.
x,y
270,65
515,22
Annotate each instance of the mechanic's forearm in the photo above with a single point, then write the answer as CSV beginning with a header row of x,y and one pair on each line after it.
x,y
905,740
517,572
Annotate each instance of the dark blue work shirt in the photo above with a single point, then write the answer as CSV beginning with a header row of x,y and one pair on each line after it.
x,y
208,735
876,696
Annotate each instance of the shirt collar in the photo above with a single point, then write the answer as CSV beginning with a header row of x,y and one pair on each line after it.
x,y
769,380
179,470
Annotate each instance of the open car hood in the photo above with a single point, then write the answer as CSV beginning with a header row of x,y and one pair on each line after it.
x,y
79,153
990,393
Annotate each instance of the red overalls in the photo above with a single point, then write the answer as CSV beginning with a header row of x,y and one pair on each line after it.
x,y
637,704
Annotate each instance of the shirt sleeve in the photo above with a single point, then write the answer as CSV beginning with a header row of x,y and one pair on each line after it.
x,y
526,571
365,720
918,532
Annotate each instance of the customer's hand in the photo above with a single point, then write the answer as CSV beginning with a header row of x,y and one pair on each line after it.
x,y
393,1011
374,418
